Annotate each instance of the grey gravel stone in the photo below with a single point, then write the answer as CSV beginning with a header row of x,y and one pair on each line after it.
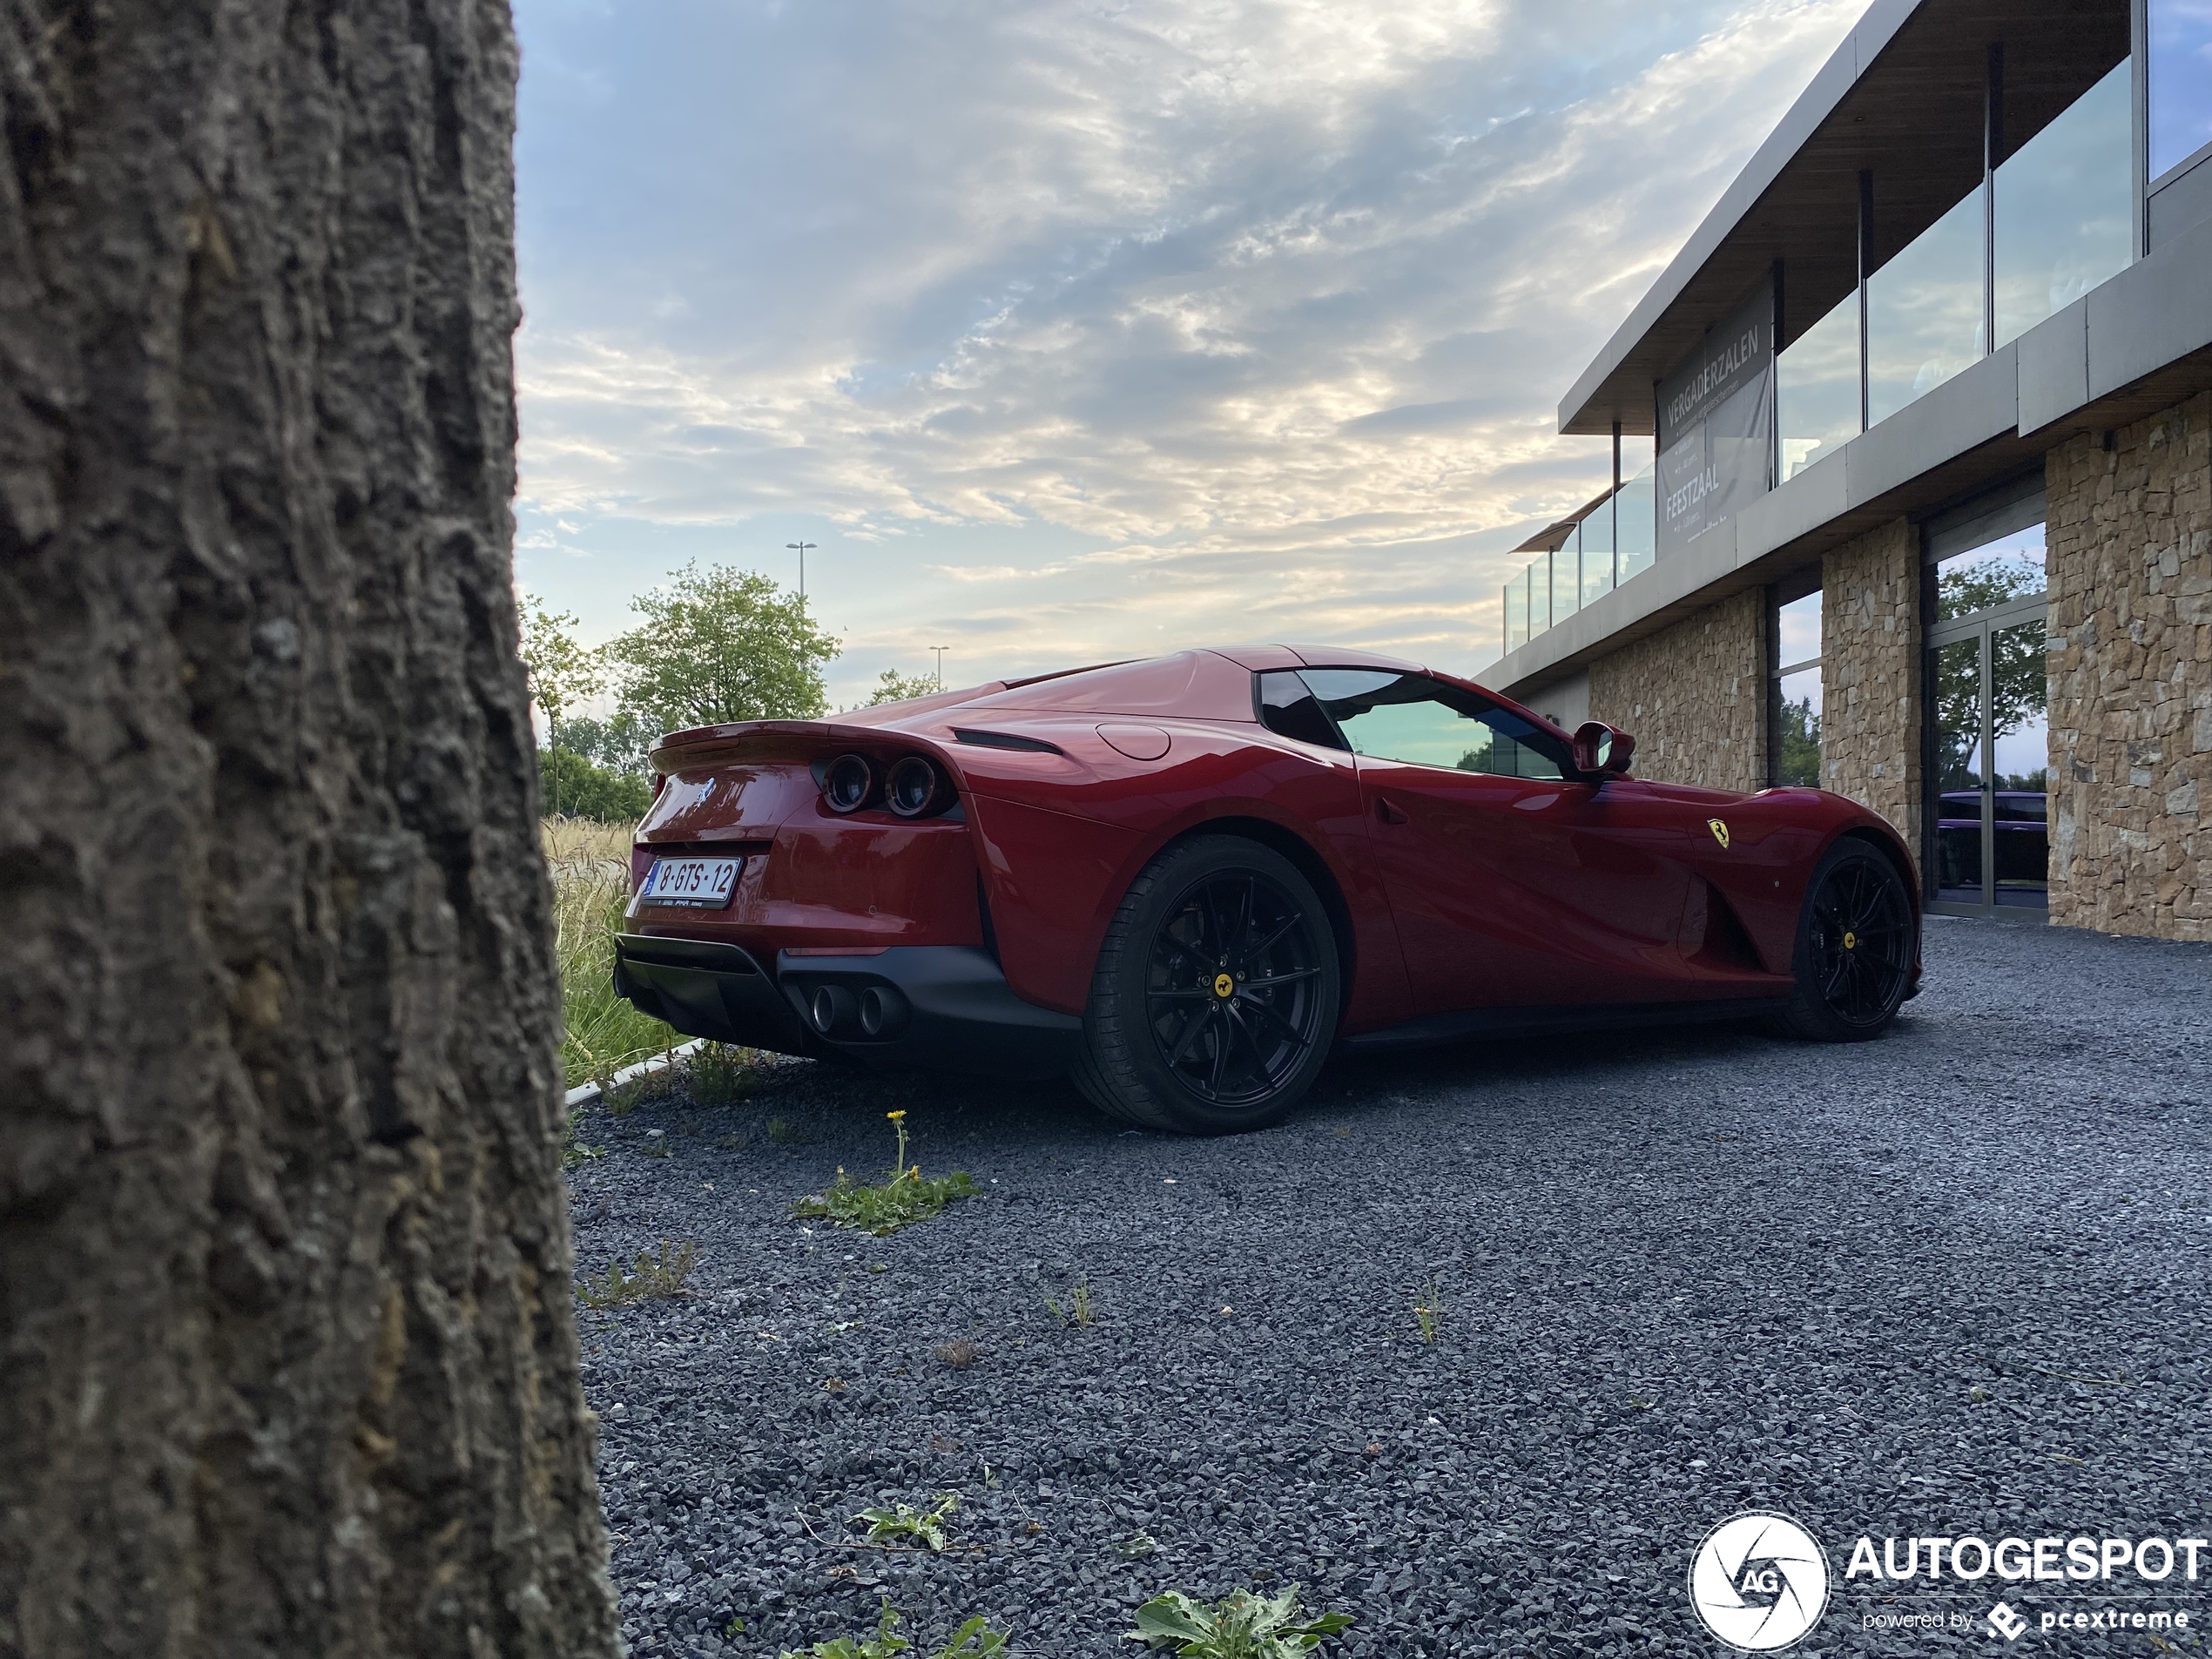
x,y
1683,1274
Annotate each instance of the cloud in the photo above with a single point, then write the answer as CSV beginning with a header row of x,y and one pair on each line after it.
x,y
1204,318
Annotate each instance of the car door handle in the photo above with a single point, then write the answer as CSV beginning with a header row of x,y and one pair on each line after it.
x,y
1388,813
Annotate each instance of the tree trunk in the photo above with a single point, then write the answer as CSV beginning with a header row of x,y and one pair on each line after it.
x,y
287,1353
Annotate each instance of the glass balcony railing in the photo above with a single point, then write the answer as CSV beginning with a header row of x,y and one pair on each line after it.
x,y
2062,217
1610,543
1635,538
1567,582
1924,312
1597,553
1817,389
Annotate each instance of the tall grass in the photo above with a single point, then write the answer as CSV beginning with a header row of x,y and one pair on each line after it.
x,y
601,1033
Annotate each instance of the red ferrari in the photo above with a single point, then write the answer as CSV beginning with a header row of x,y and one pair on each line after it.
x,y
1187,880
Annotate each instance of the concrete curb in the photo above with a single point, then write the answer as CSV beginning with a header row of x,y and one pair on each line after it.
x,y
585,1093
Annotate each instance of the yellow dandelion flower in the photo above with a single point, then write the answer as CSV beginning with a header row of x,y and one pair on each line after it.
x,y
895,1117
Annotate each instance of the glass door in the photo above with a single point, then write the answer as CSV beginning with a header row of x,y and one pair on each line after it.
x,y
1989,806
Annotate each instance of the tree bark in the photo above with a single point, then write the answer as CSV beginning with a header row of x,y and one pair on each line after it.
x,y
287,1352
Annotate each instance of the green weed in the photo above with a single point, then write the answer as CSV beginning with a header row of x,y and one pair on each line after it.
x,y
1428,1312
651,1278
973,1640
782,1134
1240,1626
574,1152
907,1525
1078,1310
904,1199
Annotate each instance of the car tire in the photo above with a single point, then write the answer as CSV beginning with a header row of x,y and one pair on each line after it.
x,y
1854,952
1216,993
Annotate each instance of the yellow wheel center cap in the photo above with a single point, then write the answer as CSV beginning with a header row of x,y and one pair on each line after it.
x,y
1851,942
1223,986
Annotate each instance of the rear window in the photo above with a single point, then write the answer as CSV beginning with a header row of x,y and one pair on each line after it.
x,y
1290,709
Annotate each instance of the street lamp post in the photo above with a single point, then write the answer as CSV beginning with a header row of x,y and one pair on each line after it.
x,y
941,650
801,547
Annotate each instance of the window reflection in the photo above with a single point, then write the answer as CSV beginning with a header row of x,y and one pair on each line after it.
x,y
1798,630
1924,312
1817,388
2008,569
1566,577
1635,526
1794,712
1797,729
2062,213
1597,554
2180,81
1413,719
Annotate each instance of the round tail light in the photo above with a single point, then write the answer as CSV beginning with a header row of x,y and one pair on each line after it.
x,y
913,788
847,783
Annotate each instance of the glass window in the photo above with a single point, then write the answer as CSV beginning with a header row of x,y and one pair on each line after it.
x,y
1924,312
2180,81
1423,722
2062,211
1797,631
1797,729
1567,578
1817,388
1287,709
1597,554
2006,569
1796,695
1634,523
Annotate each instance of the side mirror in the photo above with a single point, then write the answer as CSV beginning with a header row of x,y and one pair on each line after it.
x,y
1602,750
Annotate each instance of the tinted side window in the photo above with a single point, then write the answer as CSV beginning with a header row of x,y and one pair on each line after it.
x,y
1412,717
1287,709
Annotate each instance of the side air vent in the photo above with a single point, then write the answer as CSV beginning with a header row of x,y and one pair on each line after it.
x,y
1005,740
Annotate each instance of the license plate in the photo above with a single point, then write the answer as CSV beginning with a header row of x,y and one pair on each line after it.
x,y
698,884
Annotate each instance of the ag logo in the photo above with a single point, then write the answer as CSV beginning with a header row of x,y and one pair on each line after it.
x,y
1759,1581
1720,832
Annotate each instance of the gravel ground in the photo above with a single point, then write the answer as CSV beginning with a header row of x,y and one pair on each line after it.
x,y
1682,1275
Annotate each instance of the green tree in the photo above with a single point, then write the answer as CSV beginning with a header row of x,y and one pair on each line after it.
x,y
894,687
720,645
586,791
1797,754
2018,689
562,673
618,745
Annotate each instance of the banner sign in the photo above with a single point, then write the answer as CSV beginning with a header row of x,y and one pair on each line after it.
x,y
1717,426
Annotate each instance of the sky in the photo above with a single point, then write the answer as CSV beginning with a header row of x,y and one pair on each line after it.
x,y
1083,329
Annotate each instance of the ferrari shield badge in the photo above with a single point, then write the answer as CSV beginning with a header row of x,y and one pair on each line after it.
x,y
1720,832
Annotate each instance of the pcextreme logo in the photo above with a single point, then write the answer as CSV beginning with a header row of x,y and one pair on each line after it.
x,y
1759,1581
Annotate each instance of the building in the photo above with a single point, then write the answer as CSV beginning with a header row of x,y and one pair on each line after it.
x,y
1929,519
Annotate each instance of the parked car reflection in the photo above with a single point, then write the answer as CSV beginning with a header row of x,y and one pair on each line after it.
x,y
2020,822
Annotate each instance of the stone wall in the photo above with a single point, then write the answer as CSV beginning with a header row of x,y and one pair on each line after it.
x,y
1869,675
1695,696
2130,564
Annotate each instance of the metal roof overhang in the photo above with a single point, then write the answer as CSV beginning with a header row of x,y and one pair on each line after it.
x,y
1902,97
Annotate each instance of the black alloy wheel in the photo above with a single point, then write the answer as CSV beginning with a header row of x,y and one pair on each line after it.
x,y
1857,938
1216,995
